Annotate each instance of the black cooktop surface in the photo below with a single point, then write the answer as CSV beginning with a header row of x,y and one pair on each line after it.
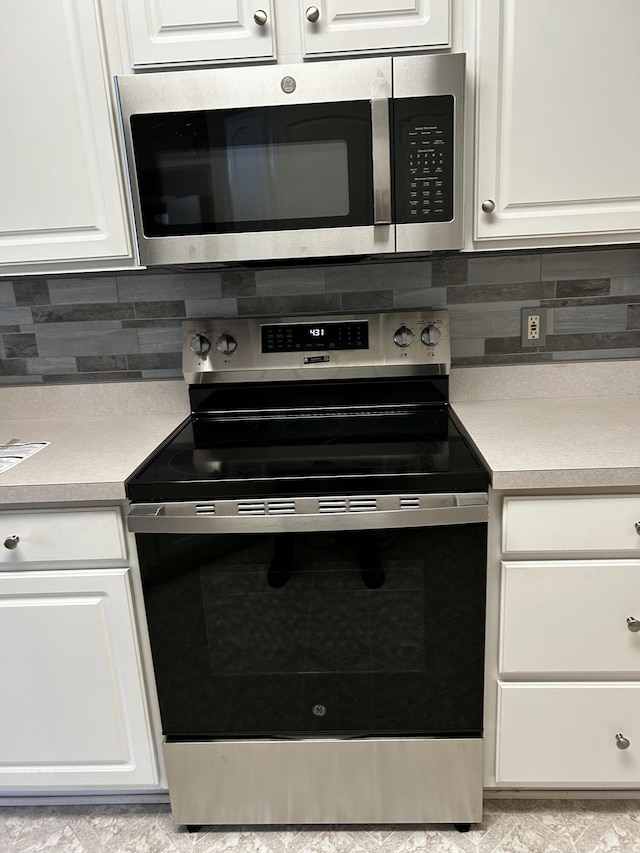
x,y
419,450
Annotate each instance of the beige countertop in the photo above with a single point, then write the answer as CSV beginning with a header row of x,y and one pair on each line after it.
x,y
536,427
98,435
556,426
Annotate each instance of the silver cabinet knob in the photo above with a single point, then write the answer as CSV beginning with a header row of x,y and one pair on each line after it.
x,y
312,14
488,205
633,624
260,17
11,542
638,527
622,742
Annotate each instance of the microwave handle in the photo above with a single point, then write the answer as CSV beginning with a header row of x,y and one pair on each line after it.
x,y
381,151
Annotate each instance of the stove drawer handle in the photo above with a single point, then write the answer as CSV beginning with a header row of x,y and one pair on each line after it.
x,y
11,542
638,527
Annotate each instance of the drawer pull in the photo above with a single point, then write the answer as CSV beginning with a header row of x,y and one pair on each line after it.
x,y
11,542
622,742
633,624
638,527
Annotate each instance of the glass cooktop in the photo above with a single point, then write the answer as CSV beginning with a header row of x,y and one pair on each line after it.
x,y
418,451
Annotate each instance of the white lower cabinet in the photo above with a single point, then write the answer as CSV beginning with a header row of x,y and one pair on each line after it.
x,y
569,735
563,643
73,713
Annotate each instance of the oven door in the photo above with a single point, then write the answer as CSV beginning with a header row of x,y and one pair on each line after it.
x,y
256,163
349,632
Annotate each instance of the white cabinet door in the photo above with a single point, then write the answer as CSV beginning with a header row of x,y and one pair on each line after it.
x,y
163,32
62,191
570,617
88,535
570,525
73,712
558,124
564,735
347,26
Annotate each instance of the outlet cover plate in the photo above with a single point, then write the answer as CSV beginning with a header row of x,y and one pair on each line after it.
x,y
540,312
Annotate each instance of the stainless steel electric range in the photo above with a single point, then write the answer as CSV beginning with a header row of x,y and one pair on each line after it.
x,y
312,543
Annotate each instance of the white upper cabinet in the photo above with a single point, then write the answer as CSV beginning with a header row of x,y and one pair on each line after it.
x,y
557,122
163,32
348,26
183,32
61,184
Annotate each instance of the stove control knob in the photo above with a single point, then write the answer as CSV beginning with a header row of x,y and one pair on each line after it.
x,y
403,336
430,335
200,345
226,344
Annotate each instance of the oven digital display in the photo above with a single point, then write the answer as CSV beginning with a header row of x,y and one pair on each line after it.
x,y
302,337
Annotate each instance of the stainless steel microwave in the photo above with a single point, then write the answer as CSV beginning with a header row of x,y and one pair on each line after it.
x,y
348,157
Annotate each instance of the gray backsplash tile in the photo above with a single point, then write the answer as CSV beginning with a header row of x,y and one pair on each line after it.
x,y
56,340
503,268
90,328
280,282
7,297
76,291
591,318
601,263
169,286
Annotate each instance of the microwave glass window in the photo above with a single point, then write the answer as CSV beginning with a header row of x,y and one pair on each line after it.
x,y
270,168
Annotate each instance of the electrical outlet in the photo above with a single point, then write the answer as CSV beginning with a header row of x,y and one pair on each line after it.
x,y
533,328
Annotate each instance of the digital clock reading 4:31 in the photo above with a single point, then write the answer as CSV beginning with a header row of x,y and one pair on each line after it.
x,y
316,333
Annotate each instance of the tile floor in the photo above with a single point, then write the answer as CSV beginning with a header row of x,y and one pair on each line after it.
x,y
509,826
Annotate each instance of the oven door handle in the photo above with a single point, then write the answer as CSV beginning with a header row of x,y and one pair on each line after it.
x,y
381,153
307,515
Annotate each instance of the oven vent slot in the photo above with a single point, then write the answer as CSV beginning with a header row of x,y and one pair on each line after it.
x,y
205,509
252,508
281,507
284,507
409,503
339,505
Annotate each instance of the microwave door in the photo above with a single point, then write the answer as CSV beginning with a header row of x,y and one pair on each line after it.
x,y
284,175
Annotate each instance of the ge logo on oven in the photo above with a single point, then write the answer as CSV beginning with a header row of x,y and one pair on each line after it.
x,y
319,710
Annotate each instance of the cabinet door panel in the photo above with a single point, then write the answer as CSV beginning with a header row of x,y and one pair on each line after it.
x,y
557,136
570,617
64,535
62,190
565,735
571,525
164,32
354,25
73,712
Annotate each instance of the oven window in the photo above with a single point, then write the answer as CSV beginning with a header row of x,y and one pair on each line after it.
x,y
307,634
268,168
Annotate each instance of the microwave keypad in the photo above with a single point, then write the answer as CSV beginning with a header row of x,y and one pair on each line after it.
x,y
424,161
428,165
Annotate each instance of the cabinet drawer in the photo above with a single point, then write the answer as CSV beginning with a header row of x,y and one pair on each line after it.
x,y
575,524
61,535
565,735
570,616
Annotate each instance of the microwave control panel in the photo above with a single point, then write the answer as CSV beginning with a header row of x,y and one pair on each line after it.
x,y
424,159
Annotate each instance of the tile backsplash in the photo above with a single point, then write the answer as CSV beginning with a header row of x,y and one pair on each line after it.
x,y
125,326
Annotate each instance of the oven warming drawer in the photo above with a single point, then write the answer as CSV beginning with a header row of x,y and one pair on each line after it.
x,y
300,514
324,781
